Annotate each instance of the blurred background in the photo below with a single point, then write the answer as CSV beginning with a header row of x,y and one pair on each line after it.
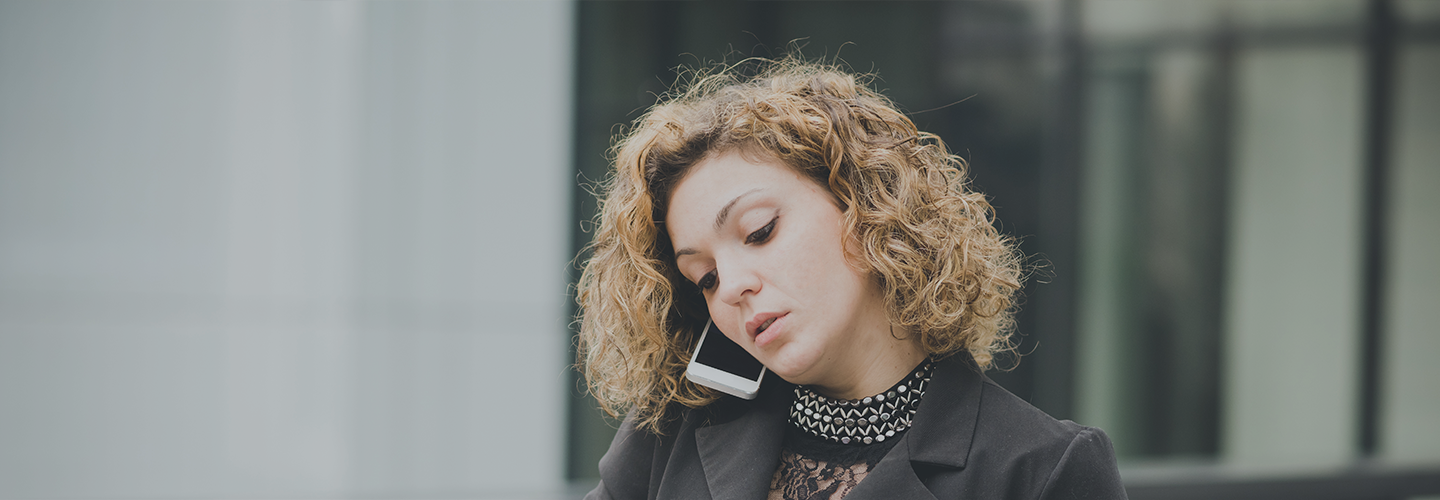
x,y
323,249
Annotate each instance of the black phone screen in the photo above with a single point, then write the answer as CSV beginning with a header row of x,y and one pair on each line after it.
x,y
722,353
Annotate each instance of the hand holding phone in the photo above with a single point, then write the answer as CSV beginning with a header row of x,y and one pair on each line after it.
x,y
721,364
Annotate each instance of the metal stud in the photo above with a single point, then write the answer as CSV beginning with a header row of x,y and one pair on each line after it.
x,y
869,440
845,440
880,397
869,400
879,439
885,417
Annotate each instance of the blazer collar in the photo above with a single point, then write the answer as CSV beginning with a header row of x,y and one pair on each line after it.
x,y
940,435
944,426
893,477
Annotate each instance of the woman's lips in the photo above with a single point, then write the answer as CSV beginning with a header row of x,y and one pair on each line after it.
x,y
768,334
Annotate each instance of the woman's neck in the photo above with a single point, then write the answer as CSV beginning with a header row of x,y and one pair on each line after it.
x,y
879,366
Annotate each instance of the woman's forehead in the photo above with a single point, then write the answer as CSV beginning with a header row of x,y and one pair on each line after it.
x,y
713,184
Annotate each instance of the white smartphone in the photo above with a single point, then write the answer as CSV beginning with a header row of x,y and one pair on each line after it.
x,y
721,364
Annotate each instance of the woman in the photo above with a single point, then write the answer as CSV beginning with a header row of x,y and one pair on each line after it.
x,y
840,247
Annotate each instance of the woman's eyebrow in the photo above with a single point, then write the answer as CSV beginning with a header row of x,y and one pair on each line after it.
x,y
725,211
719,219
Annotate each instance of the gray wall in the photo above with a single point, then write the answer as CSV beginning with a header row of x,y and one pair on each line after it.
x,y
283,249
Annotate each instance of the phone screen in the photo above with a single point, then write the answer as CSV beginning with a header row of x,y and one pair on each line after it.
x,y
724,354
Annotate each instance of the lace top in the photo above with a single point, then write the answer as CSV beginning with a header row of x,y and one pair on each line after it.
x,y
812,468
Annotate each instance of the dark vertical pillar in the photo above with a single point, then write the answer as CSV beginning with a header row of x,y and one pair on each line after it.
x,y
1379,83
1222,99
582,416
623,52
1054,302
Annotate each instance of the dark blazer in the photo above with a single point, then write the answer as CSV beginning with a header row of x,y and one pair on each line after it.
x,y
971,440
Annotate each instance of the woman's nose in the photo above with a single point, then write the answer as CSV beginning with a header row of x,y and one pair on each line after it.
x,y
736,281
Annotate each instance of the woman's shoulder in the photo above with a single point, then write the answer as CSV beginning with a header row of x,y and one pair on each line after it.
x,y
967,416
627,466
1070,456
639,457
1004,414
983,441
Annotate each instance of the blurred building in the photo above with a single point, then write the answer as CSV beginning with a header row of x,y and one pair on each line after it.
x,y
321,249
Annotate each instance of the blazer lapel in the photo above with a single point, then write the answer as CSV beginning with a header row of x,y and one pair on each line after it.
x,y
944,426
940,437
740,456
893,477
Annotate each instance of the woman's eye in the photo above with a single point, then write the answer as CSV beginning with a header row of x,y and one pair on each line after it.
x,y
762,234
708,280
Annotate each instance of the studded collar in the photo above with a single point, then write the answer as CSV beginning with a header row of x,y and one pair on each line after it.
x,y
868,420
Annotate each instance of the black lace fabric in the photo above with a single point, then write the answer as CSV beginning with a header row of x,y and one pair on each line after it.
x,y
814,469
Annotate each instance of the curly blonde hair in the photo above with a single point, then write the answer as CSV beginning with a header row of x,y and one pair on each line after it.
x,y
930,242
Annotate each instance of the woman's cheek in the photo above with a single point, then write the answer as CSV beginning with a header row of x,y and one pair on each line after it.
x,y
717,313
726,319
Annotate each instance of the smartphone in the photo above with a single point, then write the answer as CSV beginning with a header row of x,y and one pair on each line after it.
x,y
721,364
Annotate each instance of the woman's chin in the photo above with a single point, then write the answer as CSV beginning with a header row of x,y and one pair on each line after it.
x,y
795,370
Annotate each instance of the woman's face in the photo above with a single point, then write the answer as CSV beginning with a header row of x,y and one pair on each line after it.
x,y
766,247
